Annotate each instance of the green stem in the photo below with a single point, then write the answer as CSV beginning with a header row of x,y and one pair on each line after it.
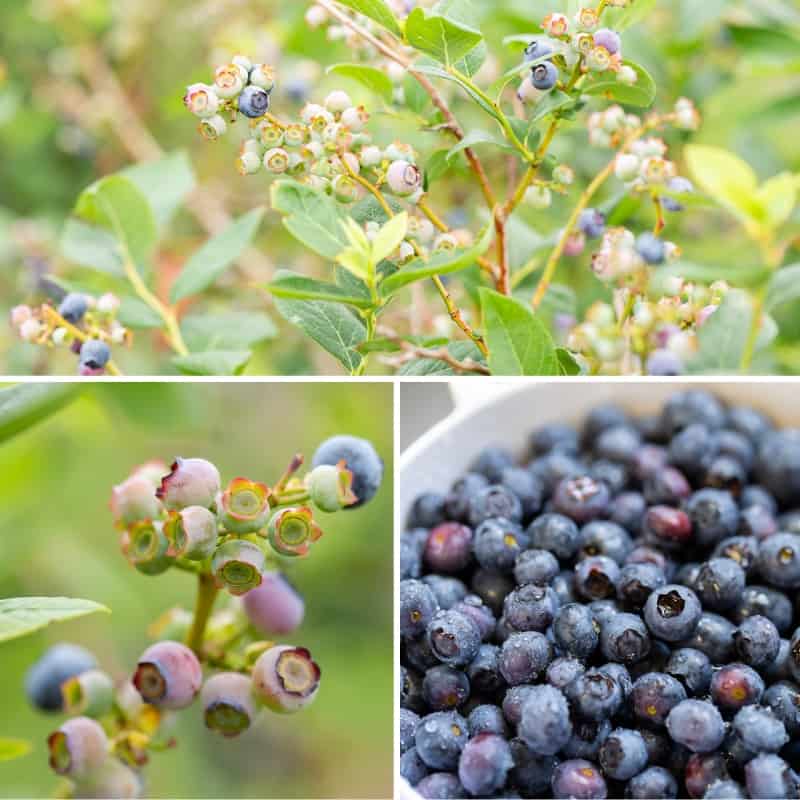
x,y
206,595
772,258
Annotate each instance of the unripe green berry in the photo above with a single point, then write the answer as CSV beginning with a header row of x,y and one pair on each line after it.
x,y
191,482
276,161
248,163
286,679
263,76
338,101
78,747
134,500
291,531
212,128
244,506
295,135
228,704
238,565
330,487
91,693
345,189
355,119
539,197
145,545
191,533
228,81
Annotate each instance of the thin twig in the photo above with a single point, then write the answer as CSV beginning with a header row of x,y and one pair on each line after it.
x,y
442,354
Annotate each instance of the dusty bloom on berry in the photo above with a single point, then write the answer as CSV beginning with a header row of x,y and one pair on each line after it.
x,y
201,100
286,679
191,482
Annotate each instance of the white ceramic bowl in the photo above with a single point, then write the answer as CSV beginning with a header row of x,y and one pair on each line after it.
x,y
442,455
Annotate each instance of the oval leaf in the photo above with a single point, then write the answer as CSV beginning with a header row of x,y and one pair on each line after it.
x,y
439,37
213,362
375,80
518,342
24,405
20,616
376,10
640,94
291,286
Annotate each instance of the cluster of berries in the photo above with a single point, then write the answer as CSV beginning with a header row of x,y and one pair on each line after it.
x,y
578,46
87,325
612,616
186,520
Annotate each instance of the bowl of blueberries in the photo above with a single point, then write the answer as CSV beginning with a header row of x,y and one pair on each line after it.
x,y
598,595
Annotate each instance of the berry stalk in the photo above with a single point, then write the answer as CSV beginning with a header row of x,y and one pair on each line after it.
x,y
207,592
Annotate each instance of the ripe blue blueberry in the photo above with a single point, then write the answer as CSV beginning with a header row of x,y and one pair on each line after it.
x,y
604,538
473,607
487,719
677,185
524,657
73,307
449,547
651,248
725,790
530,608
253,102
440,786
497,544
440,738
492,502
692,668
513,701
59,663
427,511
582,499
594,695
586,739
454,638
625,639
719,583
636,583
768,776
417,607
623,754
735,686
578,779
760,729
757,642
412,767
527,487
456,504
539,48
563,670
596,577
408,729
484,764
535,566
654,695
555,436
447,591
445,688
779,560
592,223
696,724
360,457
653,783
544,76
95,354
783,698
491,462
713,634
555,533
545,724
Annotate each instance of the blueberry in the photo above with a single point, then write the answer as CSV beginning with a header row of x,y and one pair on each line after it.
x,y
794,655
692,449
574,630
714,515
449,547
473,607
578,779
556,466
713,635
627,509
484,670
440,738
596,577
757,642
736,445
742,549
749,422
581,499
73,307
725,790
253,102
535,566
636,583
412,544
563,670
653,782
513,702
666,527
411,691
78,748
228,703
494,501
456,503
691,667
527,487
492,462
784,700
625,639
618,443
487,719
417,607
484,764
779,560
654,695
454,638
735,686
691,406
427,511
539,48
556,533
603,610
524,656
759,729
492,588
651,248
586,739
59,663
544,76
592,224
697,725
445,688
168,675
594,695
360,458
757,521
603,538
545,725
677,185
727,473
556,436
497,543
531,773
412,767
777,465
623,754
563,585
667,486
95,354
609,39
702,770
672,612
768,776
719,583
440,786
779,670
408,729
446,590
621,675
530,608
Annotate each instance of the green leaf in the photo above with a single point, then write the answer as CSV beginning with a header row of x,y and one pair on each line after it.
x,y
389,237
778,197
438,166
135,313
330,325
216,255
640,94
312,217
440,263
115,203
553,102
376,10
784,287
213,362
20,616
622,19
518,342
291,286
567,363
89,246
723,337
729,180
24,405
232,330
441,38
11,749
166,183
376,80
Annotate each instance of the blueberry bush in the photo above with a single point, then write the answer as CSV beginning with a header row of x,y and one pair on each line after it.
x,y
436,188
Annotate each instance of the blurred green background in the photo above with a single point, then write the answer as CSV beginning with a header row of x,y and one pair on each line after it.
x,y
56,538
76,69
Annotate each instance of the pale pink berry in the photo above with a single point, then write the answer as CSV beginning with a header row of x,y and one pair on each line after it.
x,y
274,607
285,678
191,482
403,178
79,746
168,675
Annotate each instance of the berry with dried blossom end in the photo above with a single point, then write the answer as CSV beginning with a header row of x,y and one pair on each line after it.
x,y
238,566
212,128
338,101
355,118
275,607
253,102
244,506
191,533
292,531
201,100
146,546
360,457
191,482
544,76
228,705
90,693
608,39
58,664
556,24
168,676
263,76
538,49
228,81
276,161
95,354
78,747
592,223
403,178
73,307
134,499
286,678
248,163
330,487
